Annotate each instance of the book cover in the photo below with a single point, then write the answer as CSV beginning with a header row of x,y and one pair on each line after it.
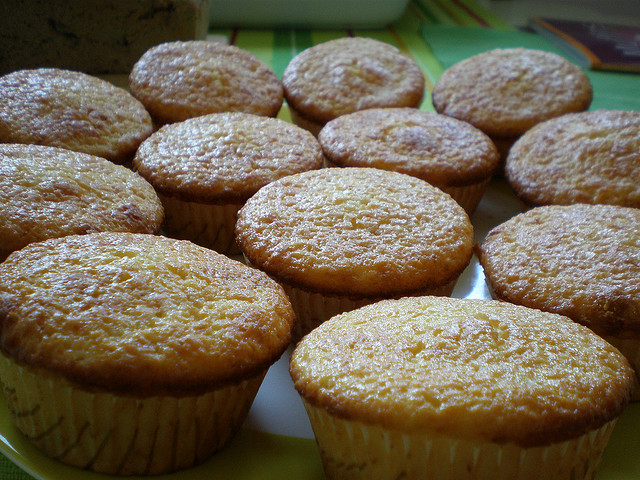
x,y
595,45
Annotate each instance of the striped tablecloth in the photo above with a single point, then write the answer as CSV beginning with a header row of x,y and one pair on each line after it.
x,y
436,33
277,47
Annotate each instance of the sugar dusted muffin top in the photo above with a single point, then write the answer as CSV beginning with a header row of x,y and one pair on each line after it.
x,y
504,92
51,192
180,80
68,109
224,157
355,231
474,369
582,261
348,74
140,313
439,149
588,157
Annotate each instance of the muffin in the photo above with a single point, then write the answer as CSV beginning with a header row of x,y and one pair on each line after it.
x,y
69,109
180,80
131,353
349,74
505,92
580,260
460,389
48,192
586,157
339,238
446,152
205,168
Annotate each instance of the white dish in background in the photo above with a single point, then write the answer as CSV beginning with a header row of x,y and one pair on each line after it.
x,y
305,13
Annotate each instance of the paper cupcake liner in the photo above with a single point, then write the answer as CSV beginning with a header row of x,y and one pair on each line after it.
x,y
305,123
312,308
630,348
210,226
353,450
503,145
118,434
468,196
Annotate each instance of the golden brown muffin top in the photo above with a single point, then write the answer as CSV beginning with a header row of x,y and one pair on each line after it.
x,y
442,150
348,74
504,92
582,261
473,369
225,157
68,109
48,192
138,313
587,157
355,231
180,80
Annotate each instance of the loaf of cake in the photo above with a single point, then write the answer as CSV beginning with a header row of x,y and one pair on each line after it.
x,y
93,36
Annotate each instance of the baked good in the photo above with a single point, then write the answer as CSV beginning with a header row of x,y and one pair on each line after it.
x,y
505,92
180,80
580,260
69,109
93,36
339,238
205,168
446,152
459,388
348,74
50,192
586,157
134,354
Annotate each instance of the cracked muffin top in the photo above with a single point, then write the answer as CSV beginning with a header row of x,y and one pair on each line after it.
x,y
586,157
348,74
224,158
356,231
68,109
504,92
184,79
473,369
140,313
50,192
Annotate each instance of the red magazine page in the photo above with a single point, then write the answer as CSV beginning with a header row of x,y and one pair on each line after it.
x,y
596,45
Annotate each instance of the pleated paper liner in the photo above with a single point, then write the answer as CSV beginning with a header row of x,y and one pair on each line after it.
x,y
120,434
352,450
312,308
210,226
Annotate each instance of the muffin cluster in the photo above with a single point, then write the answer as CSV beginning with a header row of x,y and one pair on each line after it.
x,y
164,245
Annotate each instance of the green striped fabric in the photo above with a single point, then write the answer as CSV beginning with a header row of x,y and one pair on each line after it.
x,y
277,47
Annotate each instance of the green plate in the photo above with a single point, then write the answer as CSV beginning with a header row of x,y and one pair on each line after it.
x,y
276,441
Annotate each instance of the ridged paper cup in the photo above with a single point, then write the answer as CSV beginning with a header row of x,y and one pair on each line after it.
x,y
312,308
352,450
120,434
210,226
468,196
